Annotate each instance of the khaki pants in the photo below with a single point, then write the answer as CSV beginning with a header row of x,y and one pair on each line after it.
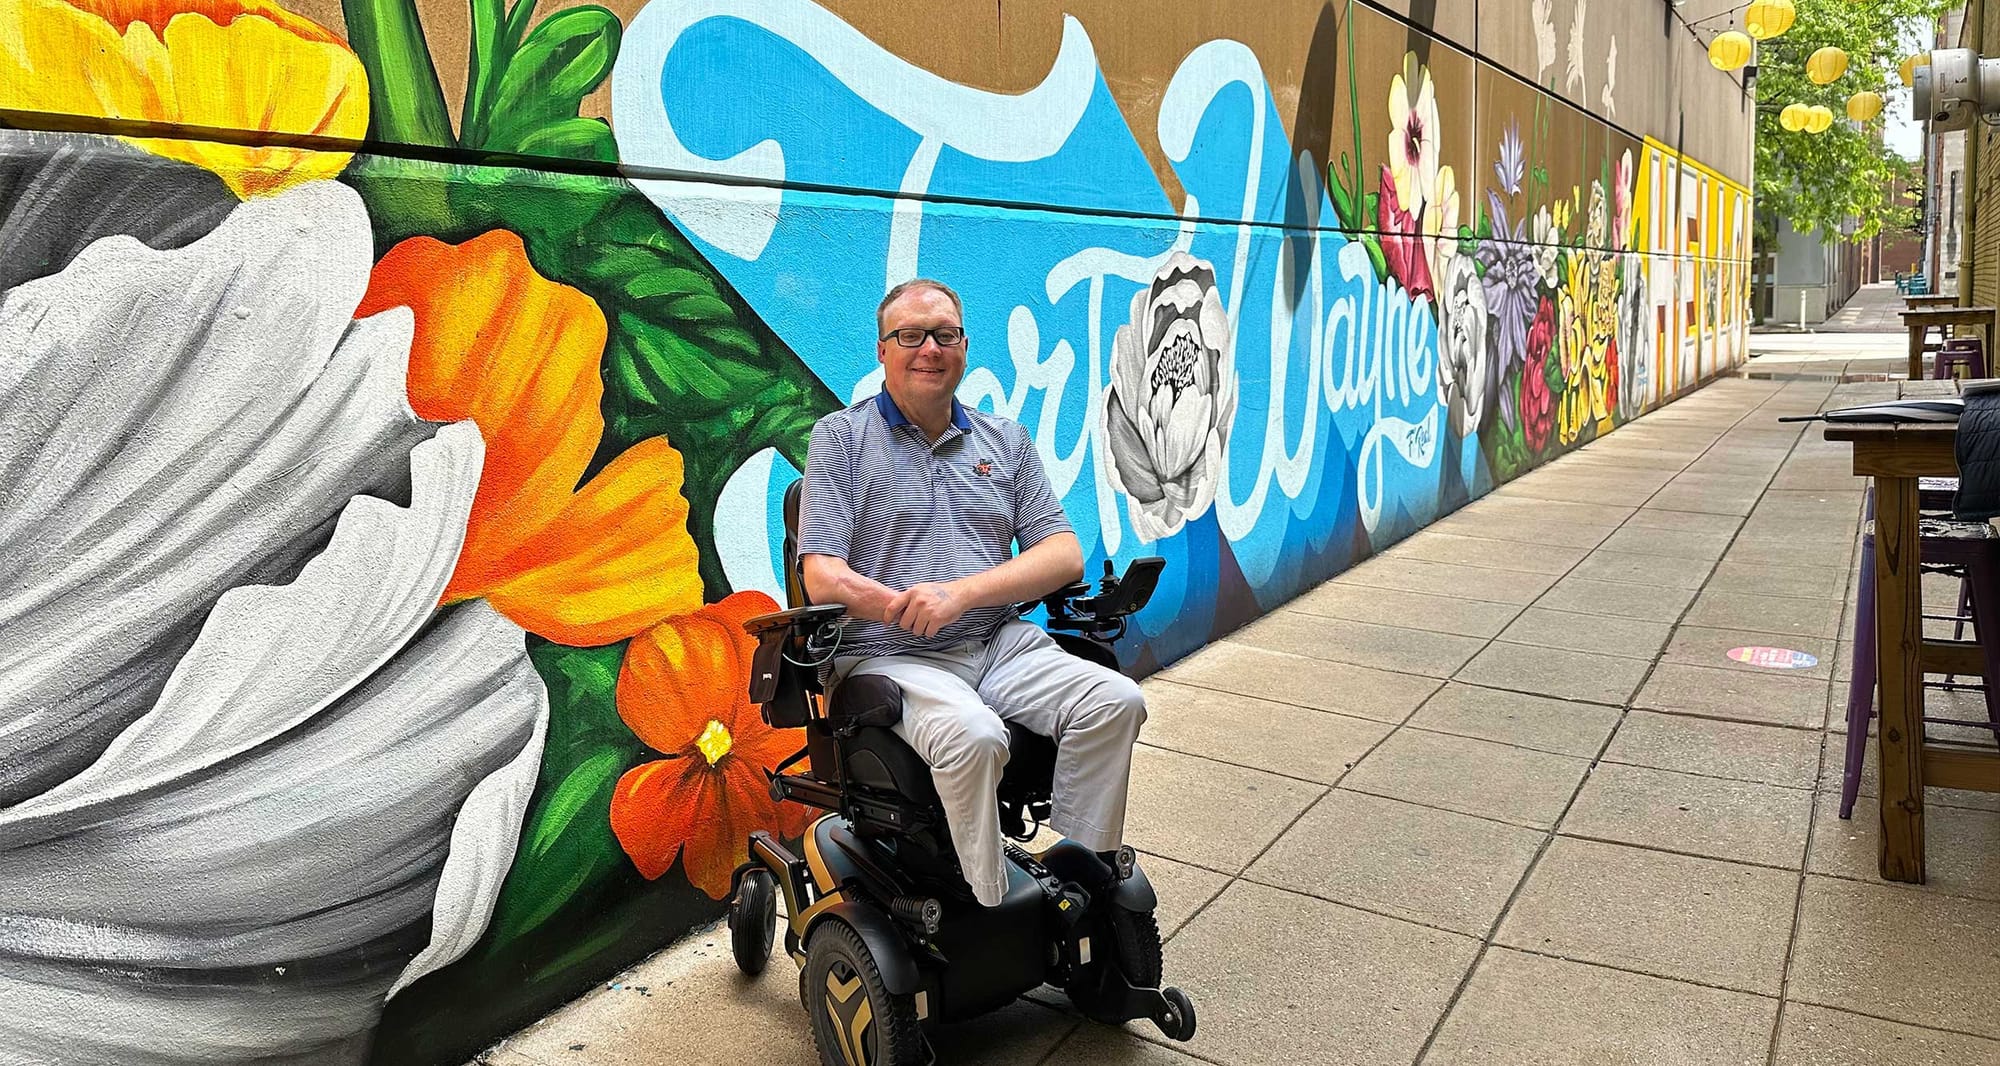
x,y
955,705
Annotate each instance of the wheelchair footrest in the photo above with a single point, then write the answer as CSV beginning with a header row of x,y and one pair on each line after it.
x,y
765,850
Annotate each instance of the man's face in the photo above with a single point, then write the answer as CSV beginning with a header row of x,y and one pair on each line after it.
x,y
927,374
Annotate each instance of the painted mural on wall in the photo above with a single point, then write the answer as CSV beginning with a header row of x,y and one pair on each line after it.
x,y
370,670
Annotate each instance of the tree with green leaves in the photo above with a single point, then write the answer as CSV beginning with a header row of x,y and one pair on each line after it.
x,y
1819,180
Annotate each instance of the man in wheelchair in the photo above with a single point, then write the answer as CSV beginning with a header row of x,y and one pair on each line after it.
x,y
925,699
911,506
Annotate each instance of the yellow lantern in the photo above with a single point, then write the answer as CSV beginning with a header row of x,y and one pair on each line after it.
x,y
1793,117
1908,68
1864,105
1819,118
1729,50
1826,65
1766,19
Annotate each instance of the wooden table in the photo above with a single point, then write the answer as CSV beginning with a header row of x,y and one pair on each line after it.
x,y
1896,456
1920,320
1931,299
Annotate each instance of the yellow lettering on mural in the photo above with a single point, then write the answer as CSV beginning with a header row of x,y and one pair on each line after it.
x,y
1692,224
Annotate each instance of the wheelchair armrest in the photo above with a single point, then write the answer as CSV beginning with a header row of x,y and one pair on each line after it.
x,y
1055,601
773,673
804,619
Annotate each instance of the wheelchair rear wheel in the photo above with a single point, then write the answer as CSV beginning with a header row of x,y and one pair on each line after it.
x,y
855,1020
753,920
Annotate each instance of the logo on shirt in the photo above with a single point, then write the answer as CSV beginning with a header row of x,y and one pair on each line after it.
x,y
983,468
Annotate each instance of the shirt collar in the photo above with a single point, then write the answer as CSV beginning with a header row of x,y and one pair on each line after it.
x,y
894,415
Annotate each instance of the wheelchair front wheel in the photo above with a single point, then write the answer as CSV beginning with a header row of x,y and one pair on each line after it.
x,y
1177,1021
753,920
1137,936
855,1019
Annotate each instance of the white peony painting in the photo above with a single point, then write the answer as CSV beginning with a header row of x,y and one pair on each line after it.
x,y
1172,399
1463,378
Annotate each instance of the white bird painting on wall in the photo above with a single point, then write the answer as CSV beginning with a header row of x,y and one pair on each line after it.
x,y
1574,75
1606,96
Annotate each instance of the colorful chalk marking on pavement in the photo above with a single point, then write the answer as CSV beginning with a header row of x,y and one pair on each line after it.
x,y
1775,658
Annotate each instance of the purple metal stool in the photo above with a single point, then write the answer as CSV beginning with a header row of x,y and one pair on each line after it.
x,y
1961,357
1942,543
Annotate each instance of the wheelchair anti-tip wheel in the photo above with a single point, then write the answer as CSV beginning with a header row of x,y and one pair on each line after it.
x,y
1178,1021
753,920
855,1021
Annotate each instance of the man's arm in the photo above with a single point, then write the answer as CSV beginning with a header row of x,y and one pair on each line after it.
x,y
928,607
826,527
1051,557
829,579
925,609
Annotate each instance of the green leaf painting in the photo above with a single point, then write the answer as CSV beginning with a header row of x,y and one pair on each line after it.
x,y
404,100
542,85
685,358
524,88
566,841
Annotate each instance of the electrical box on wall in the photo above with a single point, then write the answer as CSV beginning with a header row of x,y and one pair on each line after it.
x,y
1957,85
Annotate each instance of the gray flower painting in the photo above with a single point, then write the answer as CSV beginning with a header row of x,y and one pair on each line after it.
x,y
253,778
1635,338
1172,398
1464,378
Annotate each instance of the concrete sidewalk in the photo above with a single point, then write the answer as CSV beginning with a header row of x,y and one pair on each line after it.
x,y
1500,795
1863,340
1874,308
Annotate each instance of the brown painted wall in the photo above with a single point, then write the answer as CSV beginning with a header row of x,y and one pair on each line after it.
x,y
1656,76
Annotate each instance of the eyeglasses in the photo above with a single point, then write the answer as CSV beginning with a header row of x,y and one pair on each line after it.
x,y
912,337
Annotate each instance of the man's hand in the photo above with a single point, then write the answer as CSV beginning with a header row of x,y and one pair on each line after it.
x,y
927,608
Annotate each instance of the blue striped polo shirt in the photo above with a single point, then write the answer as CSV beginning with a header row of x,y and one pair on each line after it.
x,y
903,510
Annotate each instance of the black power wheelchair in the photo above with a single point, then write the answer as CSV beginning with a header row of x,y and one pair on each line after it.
x,y
881,922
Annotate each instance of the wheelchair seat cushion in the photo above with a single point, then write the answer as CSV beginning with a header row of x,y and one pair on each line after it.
x,y
878,758
863,711
862,701
1031,765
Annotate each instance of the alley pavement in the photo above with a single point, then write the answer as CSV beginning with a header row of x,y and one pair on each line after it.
x,y
1875,308
1872,309
1865,337
1502,795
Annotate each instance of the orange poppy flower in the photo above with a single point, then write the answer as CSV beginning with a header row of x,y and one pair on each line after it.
x,y
581,563
245,65
684,689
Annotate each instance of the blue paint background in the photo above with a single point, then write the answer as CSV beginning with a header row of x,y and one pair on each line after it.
x,y
817,281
